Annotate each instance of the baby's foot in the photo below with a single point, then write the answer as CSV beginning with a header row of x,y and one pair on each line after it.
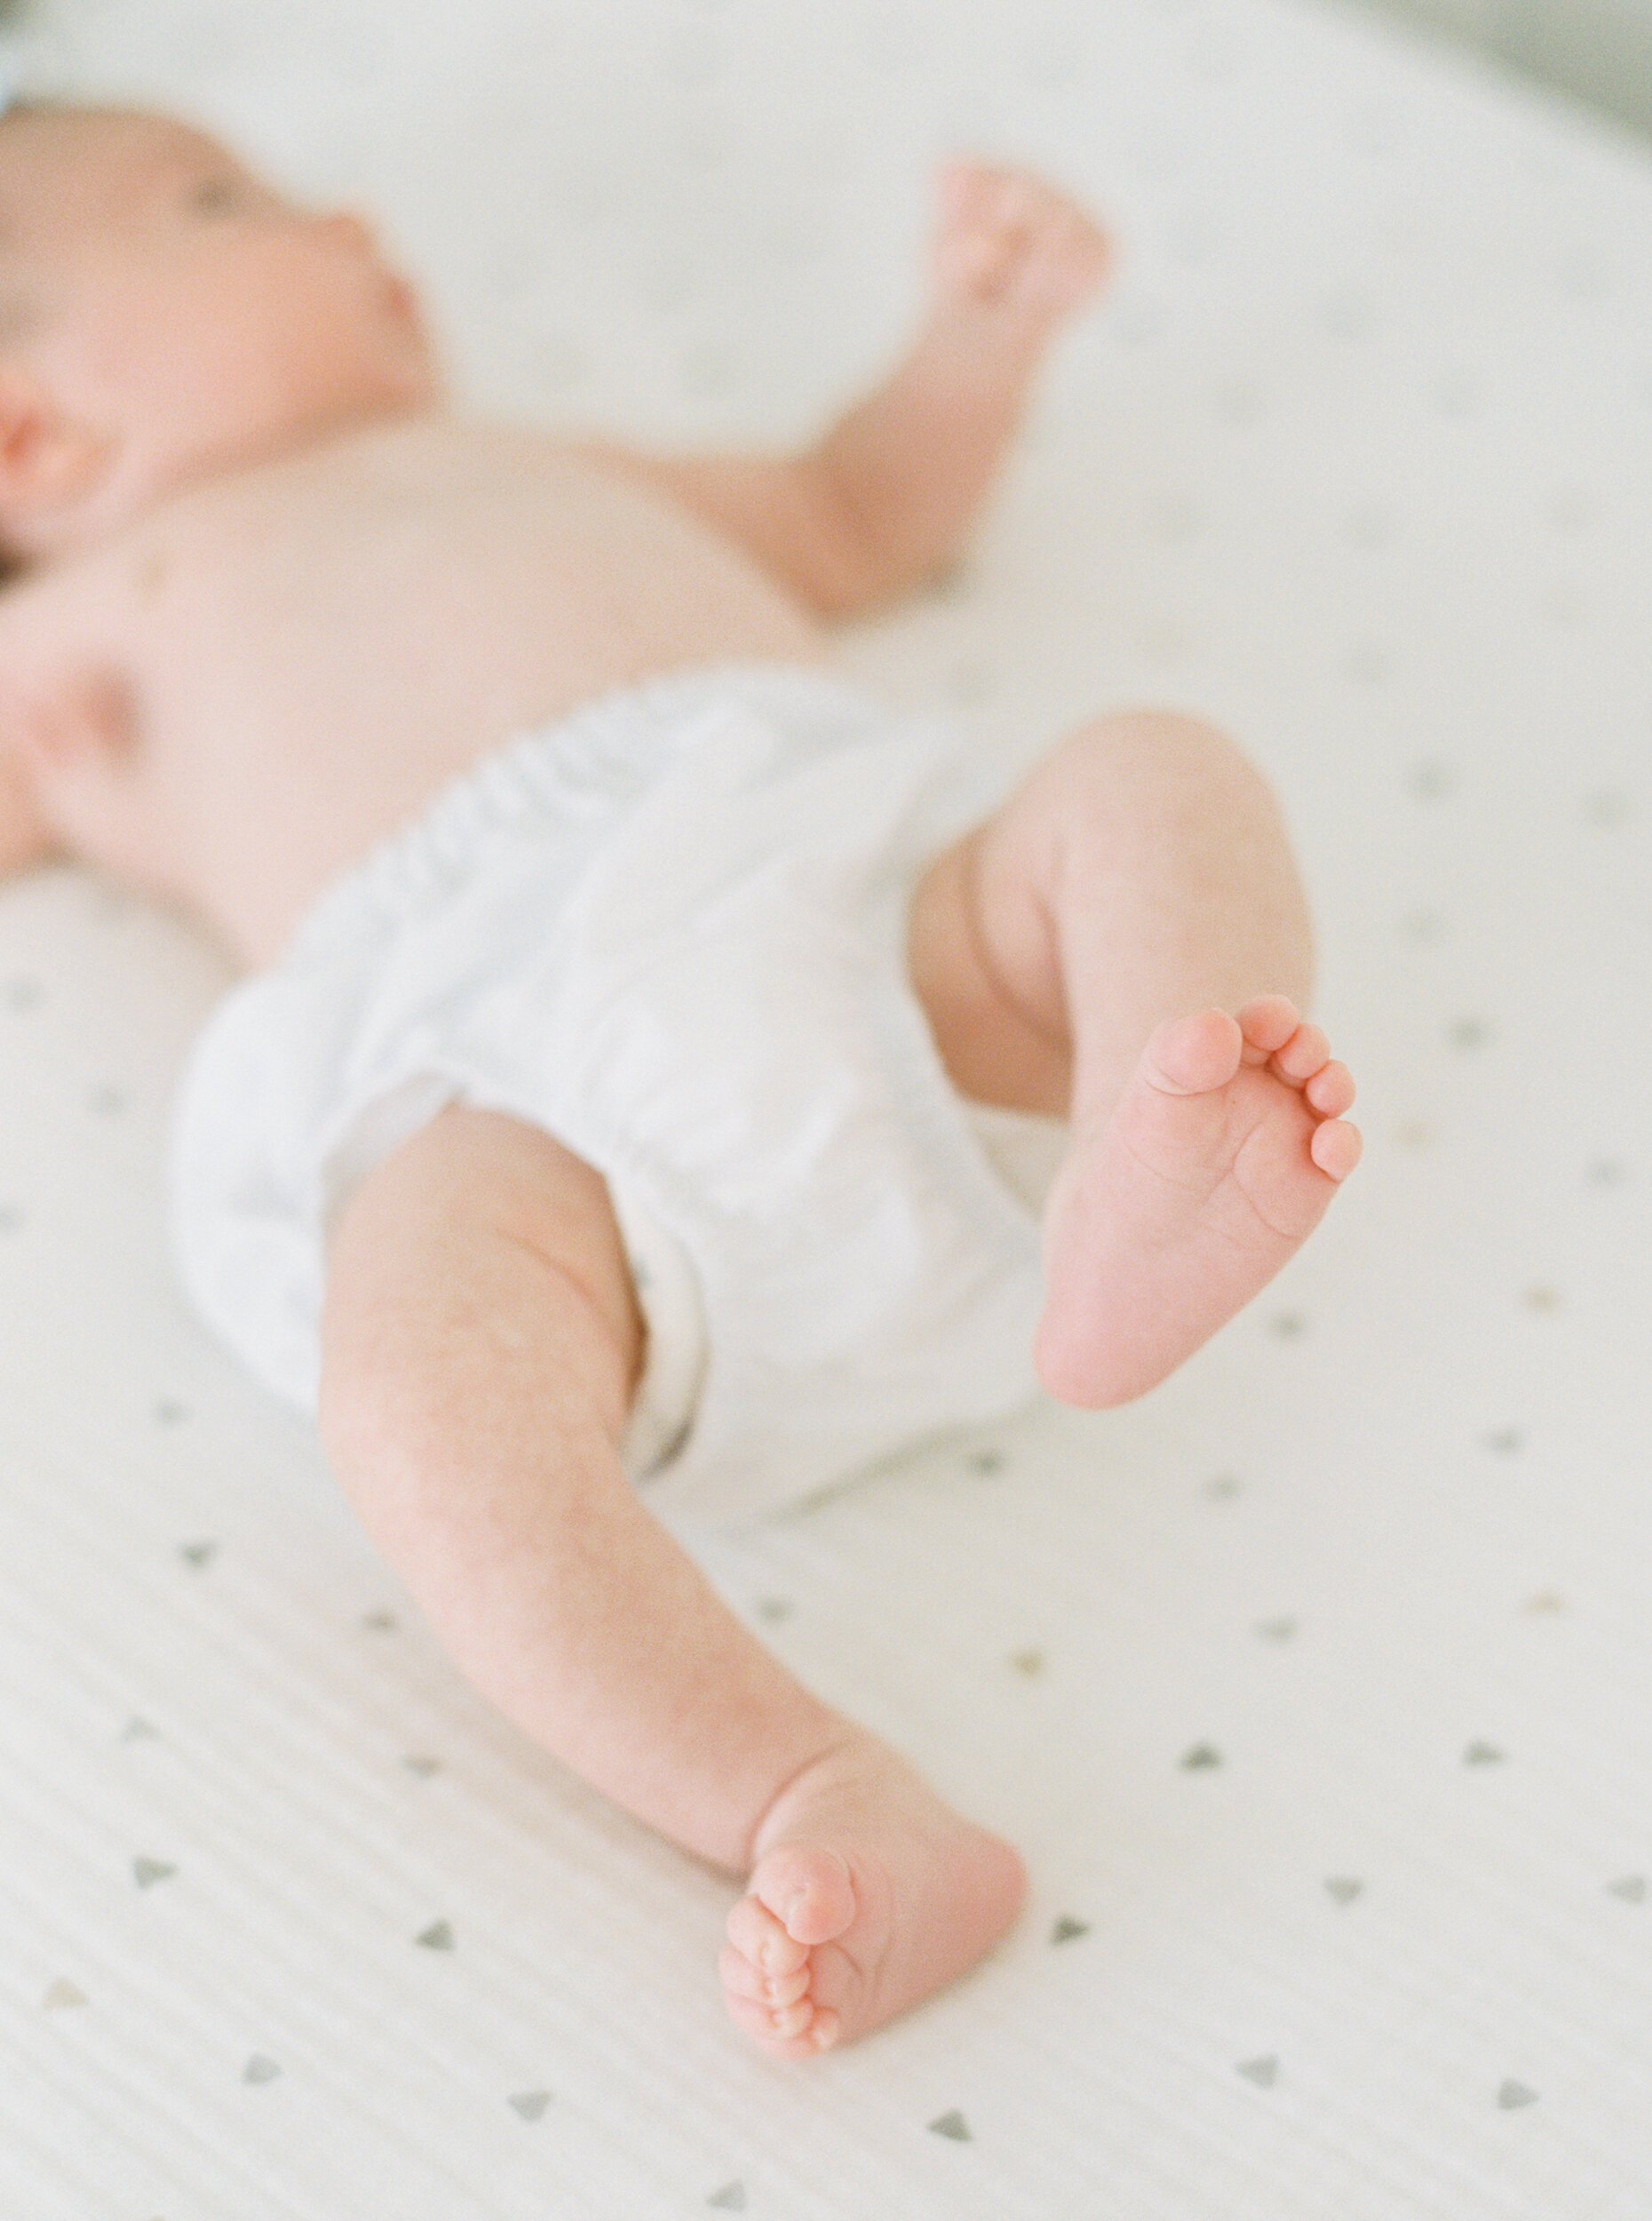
x,y
1220,1159
867,1893
1007,241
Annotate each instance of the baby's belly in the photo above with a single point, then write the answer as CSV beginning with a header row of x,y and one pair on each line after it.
x,y
313,804
348,702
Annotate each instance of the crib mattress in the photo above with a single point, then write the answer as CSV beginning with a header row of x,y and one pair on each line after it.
x,y
1317,1687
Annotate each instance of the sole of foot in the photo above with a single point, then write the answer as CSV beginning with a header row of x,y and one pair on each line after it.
x,y
1222,1156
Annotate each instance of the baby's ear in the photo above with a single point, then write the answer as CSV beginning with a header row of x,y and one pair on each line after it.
x,y
47,459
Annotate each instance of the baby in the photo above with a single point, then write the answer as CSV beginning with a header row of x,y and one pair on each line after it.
x,y
598,1127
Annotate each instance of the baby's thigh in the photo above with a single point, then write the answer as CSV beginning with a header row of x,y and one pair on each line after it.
x,y
983,967
474,1217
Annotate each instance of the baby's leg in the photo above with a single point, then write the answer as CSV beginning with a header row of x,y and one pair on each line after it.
x,y
1139,876
481,1343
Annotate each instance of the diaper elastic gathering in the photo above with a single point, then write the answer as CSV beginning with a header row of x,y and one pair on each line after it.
x,y
670,931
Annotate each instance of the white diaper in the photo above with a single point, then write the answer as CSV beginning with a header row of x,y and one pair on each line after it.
x,y
670,931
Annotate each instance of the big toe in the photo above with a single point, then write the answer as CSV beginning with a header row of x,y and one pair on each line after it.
x,y
807,1889
1190,1056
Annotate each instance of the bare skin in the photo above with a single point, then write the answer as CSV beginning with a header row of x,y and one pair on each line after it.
x,y
1223,1154
376,600
272,595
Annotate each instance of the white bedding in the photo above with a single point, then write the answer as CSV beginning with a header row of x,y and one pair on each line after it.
x,y
1318,1687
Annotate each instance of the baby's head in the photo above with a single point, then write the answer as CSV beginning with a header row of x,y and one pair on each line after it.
x,y
165,315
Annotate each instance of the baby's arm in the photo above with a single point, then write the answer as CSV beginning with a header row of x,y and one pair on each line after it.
x,y
883,502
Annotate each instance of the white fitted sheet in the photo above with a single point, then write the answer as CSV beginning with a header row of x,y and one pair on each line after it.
x,y
1318,1686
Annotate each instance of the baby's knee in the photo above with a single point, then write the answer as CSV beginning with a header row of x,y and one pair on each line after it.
x,y
1161,749
1171,795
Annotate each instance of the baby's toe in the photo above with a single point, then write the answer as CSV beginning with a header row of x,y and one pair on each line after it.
x,y
808,1890
742,1978
1267,1023
1336,1148
786,2032
1331,1090
1306,1053
761,1936
1194,1056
